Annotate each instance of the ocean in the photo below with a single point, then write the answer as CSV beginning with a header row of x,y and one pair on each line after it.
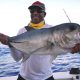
x,y
8,67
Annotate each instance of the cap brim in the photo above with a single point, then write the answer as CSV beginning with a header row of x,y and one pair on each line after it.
x,y
32,7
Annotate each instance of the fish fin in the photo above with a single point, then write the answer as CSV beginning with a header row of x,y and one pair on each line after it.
x,y
25,57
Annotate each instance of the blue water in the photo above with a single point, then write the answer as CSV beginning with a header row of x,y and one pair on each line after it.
x,y
8,67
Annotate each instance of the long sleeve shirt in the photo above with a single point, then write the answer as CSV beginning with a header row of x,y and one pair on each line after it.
x,y
36,67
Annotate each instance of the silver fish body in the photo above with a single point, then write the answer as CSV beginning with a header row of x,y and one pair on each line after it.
x,y
57,39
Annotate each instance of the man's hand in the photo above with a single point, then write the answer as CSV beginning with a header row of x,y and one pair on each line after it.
x,y
76,48
3,39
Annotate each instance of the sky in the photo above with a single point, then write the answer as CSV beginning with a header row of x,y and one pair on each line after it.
x,y
14,14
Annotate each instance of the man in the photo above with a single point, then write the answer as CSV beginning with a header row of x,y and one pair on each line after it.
x,y
37,67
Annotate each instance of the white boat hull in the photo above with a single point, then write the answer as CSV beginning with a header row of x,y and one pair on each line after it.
x,y
57,76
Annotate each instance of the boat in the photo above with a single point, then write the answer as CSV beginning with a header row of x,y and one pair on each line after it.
x,y
57,76
9,78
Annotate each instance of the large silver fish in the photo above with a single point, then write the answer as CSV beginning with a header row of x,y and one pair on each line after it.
x,y
57,39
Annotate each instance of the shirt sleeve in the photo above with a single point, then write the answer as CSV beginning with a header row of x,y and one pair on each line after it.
x,y
16,54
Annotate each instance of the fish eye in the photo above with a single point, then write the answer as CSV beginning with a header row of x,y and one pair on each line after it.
x,y
72,27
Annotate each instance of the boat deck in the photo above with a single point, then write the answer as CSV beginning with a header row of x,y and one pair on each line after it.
x,y
57,76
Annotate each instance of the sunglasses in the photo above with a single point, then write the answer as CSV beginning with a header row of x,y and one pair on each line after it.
x,y
36,10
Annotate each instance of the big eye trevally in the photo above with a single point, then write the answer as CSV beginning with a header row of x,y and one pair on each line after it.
x,y
57,39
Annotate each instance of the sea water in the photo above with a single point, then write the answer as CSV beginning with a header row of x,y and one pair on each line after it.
x,y
8,67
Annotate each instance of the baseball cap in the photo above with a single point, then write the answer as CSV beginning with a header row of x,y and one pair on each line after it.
x,y
37,4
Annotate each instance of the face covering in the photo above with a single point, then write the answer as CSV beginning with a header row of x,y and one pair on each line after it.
x,y
37,26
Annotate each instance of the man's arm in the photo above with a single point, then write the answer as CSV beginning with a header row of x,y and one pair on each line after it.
x,y
17,55
76,48
4,39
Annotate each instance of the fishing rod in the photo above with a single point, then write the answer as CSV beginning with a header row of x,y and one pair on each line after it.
x,y
67,16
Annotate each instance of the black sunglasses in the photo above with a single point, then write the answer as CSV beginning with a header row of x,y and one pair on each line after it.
x,y
33,10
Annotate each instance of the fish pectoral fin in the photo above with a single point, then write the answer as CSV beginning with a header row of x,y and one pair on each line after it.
x,y
25,57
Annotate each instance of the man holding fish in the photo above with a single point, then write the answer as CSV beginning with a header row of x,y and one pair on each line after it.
x,y
36,65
